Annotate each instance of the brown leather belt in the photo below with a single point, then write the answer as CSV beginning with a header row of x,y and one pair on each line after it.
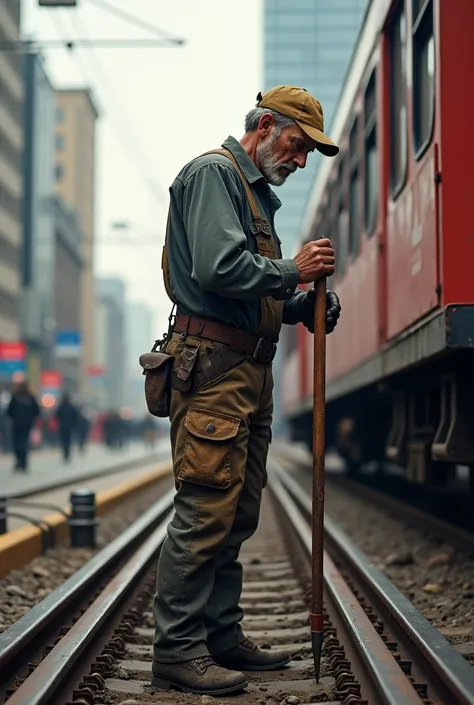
x,y
261,349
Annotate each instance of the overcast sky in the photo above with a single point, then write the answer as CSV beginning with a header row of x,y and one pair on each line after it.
x,y
159,108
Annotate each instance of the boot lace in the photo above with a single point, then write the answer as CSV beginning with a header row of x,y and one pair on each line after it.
x,y
248,644
204,662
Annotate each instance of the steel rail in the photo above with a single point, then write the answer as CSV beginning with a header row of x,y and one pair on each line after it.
x,y
434,661
380,678
52,680
32,632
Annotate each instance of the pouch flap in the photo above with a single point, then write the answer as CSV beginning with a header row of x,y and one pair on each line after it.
x,y
211,425
154,360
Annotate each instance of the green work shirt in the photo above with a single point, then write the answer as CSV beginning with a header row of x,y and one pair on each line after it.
x,y
214,267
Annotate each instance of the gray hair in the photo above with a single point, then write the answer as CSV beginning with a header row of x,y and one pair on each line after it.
x,y
252,118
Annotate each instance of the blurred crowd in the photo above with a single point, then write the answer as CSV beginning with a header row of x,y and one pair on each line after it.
x,y
25,425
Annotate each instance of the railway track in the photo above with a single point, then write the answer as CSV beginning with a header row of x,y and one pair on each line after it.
x,y
96,650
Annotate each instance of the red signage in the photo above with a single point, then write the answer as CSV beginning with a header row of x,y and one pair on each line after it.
x,y
95,371
51,379
12,351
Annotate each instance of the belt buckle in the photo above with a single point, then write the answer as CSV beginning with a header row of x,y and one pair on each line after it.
x,y
268,355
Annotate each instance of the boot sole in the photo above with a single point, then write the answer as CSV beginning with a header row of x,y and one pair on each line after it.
x,y
268,667
161,684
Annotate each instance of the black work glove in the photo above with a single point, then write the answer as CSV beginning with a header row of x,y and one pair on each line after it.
x,y
333,310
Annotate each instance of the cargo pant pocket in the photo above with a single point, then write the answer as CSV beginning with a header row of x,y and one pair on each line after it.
x,y
208,448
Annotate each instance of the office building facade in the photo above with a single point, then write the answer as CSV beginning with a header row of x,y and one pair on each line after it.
x,y
11,145
52,251
111,348
307,43
76,116
37,322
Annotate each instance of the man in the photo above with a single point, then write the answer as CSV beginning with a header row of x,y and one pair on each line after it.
x,y
23,411
66,416
223,267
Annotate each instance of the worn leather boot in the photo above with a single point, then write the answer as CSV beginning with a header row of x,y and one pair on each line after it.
x,y
201,676
247,656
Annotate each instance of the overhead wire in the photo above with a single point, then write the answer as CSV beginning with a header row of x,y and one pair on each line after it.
x,y
125,132
136,21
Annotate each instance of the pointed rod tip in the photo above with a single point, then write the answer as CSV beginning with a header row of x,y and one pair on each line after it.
x,y
316,647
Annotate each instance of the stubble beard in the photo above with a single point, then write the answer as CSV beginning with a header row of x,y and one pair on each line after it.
x,y
269,164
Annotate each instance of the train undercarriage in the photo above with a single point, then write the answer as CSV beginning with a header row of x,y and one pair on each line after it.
x,y
420,422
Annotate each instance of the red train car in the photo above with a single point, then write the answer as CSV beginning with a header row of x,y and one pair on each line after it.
x,y
398,205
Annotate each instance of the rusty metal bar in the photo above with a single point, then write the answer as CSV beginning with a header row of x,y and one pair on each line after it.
x,y
319,443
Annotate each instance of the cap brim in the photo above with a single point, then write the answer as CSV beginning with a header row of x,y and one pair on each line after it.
x,y
323,143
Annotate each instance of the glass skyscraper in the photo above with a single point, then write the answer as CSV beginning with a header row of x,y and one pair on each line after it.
x,y
308,43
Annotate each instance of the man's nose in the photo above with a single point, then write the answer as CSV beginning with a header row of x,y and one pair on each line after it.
x,y
300,160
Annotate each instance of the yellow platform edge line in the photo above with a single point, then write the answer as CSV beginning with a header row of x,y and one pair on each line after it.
x,y
20,546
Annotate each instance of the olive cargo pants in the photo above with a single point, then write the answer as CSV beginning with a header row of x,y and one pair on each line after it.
x,y
219,435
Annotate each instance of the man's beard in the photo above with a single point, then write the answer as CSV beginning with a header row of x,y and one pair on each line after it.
x,y
269,164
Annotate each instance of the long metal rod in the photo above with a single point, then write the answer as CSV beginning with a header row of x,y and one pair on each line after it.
x,y
319,445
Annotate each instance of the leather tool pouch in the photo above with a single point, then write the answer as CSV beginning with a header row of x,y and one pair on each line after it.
x,y
182,377
157,370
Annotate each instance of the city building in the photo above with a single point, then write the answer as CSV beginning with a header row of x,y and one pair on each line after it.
x,y
68,270
307,44
110,346
52,251
76,115
140,336
11,144
37,323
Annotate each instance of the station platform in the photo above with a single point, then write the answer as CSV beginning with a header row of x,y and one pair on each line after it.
x,y
99,469
47,466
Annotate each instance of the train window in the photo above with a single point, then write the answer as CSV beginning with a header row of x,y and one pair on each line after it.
x,y
417,6
341,222
371,189
325,227
354,220
423,74
398,107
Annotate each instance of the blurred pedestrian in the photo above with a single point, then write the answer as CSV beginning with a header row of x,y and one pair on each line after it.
x,y
82,429
67,419
149,432
23,410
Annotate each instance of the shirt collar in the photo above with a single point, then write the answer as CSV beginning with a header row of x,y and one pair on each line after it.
x,y
248,167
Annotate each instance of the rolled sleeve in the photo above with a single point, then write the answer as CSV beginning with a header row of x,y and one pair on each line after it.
x,y
290,276
212,206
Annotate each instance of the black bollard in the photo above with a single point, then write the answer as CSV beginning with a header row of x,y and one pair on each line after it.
x,y
82,521
3,515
